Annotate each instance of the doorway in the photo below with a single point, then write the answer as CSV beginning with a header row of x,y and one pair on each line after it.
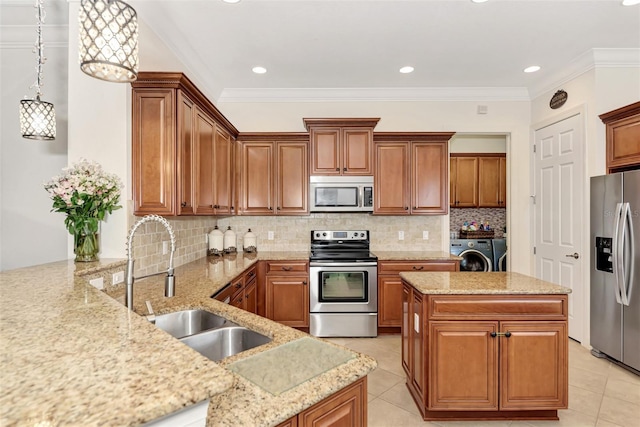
x,y
559,214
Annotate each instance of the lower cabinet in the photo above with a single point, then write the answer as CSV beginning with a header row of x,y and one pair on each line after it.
x,y
346,408
241,292
485,357
287,293
390,287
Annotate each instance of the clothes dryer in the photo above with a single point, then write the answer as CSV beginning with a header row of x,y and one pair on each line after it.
x,y
477,254
499,254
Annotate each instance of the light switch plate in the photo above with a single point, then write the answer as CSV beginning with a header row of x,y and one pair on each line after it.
x,y
118,277
425,235
269,235
97,283
400,235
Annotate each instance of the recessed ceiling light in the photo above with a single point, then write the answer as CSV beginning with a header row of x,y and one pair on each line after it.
x,y
406,70
259,70
531,69
479,1
630,2
231,1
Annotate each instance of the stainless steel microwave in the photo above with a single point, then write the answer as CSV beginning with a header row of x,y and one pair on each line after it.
x,y
341,194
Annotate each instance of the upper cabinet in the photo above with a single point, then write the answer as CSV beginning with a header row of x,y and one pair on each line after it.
x,y
411,176
341,146
181,149
274,174
478,180
623,138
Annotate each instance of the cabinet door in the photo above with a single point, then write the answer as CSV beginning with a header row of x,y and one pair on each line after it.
x,y
429,178
623,143
186,156
250,297
419,367
153,152
463,366
222,174
466,182
287,300
325,151
347,407
503,182
392,178
257,178
293,178
205,130
389,301
357,151
407,328
533,365
490,181
453,163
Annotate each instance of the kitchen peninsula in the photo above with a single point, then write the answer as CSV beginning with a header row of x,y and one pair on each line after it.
x,y
74,355
485,345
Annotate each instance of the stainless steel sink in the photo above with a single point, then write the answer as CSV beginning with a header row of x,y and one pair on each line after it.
x,y
224,342
184,323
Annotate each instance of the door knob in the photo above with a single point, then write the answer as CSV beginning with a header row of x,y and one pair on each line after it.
x,y
575,255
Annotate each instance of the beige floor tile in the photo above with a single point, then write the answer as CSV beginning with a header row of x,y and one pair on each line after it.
x,y
603,423
619,412
370,397
384,414
568,418
389,342
619,373
389,361
474,423
580,357
588,380
399,395
584,401
623,390
381,380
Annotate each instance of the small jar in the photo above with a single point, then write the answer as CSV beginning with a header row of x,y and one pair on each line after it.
x,y
216,242
249,242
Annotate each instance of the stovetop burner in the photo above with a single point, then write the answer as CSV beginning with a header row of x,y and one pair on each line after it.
x,y
341,246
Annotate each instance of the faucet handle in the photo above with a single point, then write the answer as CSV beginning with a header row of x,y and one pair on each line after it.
x,y
151,317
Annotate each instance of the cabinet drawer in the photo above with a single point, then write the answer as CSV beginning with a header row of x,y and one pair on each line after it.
x,y
387,267
496,307
250,274
286,267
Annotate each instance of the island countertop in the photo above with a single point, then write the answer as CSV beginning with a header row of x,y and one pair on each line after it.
x,y
480,283
74,355
415,256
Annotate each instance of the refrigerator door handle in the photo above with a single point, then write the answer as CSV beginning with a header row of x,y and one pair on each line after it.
x,y
628,269
616,254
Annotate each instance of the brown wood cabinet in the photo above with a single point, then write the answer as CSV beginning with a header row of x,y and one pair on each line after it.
x,y
472,357
623,138
478,180
341,146
287,292
345,408
274,174
242,291
390,287
175,129
411,174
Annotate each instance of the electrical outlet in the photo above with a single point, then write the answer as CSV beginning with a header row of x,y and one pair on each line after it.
x,y
269,235
165,247
97,283
118,277
425,235
400,235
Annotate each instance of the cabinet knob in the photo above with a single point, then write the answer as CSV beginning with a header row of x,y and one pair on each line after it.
x,y
418,268
507,334
286,268
183,204
415,207
493,334
344,169
278,207
406,208
270,208
304,282
238,285
337,169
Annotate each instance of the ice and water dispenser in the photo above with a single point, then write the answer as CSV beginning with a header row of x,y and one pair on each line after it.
x,y
603,254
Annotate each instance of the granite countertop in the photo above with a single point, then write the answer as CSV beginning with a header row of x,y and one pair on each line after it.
x,y
415,256
72,354
480,283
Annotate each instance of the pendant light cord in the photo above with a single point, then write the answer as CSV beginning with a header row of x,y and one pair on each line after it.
x,y
39,49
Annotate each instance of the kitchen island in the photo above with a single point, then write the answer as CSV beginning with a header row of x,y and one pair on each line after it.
x,y
485,346
74,355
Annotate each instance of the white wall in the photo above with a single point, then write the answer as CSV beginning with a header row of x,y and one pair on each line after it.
x,y
461,143
29,233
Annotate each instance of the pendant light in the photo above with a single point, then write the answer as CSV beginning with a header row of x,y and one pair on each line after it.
x,y
37,117
109,40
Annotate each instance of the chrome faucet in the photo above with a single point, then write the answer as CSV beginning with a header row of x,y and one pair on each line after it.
x,y
169,281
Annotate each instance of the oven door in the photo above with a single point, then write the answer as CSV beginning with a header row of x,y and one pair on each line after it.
x,y
343,287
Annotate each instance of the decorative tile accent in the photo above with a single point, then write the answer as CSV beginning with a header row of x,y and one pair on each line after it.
x,y
497,218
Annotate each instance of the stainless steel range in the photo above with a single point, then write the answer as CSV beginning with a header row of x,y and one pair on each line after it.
x,y
343,285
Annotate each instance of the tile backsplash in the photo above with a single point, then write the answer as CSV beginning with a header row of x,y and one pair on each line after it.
x,y
496,216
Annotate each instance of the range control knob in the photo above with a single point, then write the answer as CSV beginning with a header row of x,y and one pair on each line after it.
x,y
361,234
317,234
355,234
324,234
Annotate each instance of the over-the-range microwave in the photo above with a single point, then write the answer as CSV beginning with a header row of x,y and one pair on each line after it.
x,y
341,194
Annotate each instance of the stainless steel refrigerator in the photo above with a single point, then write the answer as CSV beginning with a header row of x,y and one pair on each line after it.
x,y
615,267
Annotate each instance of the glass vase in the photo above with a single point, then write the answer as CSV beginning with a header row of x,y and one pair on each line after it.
x,y
86,245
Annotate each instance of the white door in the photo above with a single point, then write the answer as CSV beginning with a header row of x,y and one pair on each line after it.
x,y
559,212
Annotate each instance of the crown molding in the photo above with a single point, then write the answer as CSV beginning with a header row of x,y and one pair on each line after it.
x,y
374,94
591,59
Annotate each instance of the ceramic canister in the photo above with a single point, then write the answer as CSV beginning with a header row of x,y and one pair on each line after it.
x,y
229,240
249,242
216,242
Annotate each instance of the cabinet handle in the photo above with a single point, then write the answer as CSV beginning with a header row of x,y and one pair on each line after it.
x,y
183,204
500,334
250,274
278,207
344,169
418,268
238,285
406,208
493,334
286,268
304,282
270,208
337,169
415,207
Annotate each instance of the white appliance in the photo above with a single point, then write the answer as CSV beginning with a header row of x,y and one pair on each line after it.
x,y
341,194
615,267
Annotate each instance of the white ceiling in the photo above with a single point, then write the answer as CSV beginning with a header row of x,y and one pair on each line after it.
x,y
361,44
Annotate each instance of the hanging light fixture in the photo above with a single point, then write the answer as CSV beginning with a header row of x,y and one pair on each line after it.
x,y
109,40
37,117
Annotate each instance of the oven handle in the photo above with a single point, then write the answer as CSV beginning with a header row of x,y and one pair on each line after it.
x,y
342,264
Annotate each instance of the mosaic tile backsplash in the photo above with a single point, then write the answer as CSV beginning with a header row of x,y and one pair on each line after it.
x,y
496,216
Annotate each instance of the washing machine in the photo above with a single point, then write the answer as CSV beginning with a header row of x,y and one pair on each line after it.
x,y
499,254
477,254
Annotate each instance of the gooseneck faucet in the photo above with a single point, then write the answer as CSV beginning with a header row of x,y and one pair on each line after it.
x,y
169,281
